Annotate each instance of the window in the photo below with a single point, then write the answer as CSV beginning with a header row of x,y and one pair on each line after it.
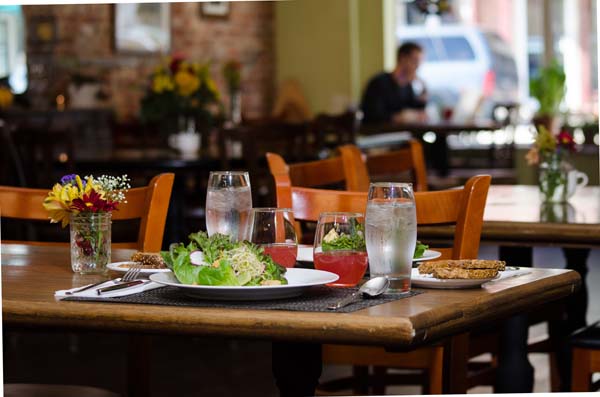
x,y
13,65
458,49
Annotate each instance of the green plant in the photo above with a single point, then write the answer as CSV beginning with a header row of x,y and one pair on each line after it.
x,y
548,87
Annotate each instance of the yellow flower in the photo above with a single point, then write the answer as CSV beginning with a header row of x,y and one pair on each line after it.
x,y
6,97
212,87
187,83
545,141
161,83
59,201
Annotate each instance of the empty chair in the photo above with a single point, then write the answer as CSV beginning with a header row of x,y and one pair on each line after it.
x,y
386,166
461,207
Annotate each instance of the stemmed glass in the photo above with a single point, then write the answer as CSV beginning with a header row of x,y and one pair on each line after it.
x,y
340,247
229,204
391,232
273,229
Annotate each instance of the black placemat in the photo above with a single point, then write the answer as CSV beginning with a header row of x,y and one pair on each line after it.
x,y
315,299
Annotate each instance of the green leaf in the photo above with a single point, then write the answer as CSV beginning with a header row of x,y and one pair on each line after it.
x,y
420,249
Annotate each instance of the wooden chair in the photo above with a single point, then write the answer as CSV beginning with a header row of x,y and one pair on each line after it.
x,y
462,207
331,130
149,204
585,345
386,166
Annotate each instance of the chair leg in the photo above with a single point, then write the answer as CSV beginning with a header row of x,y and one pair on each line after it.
x,y
554,372
436,369
581,373
456,353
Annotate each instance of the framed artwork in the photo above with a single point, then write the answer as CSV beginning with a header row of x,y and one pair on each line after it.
x,y
215,9
142,27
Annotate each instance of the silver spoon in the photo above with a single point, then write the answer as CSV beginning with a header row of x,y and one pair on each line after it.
x,y
373,287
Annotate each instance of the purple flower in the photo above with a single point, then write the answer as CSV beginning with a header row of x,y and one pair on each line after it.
x,y
67,179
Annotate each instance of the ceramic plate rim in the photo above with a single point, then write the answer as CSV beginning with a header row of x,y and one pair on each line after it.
x,y
332,277
114,266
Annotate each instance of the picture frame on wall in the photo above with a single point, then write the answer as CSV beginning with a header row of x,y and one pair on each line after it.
x,y
142,27
215,9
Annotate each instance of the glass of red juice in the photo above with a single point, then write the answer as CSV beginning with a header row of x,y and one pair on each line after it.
x,y
340,247
273,229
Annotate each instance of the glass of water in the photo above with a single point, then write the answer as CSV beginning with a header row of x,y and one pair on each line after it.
x,y
391,232
229,204
273,229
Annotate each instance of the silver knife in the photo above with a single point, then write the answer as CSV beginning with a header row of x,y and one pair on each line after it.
x,y
121,286
87,287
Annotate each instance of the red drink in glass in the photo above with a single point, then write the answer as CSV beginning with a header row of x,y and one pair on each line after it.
x,y
283,254
349,265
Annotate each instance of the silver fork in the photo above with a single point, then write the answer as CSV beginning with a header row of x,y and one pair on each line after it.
x,y
133,272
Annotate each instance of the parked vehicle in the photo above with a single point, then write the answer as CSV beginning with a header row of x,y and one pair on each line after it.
x,y
464,64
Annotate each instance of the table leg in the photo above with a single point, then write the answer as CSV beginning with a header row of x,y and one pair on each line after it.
x,y
296,368
138,365
456,357
515,372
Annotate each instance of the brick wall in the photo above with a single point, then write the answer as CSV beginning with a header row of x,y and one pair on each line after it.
x,y
84,42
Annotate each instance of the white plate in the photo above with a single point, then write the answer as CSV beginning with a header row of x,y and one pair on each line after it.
x,y
116,266
428,281
298,281
305,254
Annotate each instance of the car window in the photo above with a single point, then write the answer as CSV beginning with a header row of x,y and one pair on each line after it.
x,y
457,48
431,54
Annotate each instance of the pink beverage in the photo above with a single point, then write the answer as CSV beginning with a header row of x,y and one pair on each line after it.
x,y
349,265
283,254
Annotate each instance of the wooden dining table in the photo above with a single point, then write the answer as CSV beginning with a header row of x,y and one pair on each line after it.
x,y
31,274
516,220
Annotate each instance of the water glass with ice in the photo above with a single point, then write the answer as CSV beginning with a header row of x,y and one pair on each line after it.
x,y
229,204
273,229
391,232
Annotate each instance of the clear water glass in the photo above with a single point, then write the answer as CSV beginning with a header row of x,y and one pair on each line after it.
x,y
229,204
340,247
391,232
273,229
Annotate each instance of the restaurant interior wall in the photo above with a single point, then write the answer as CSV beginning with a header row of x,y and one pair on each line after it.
x,y
332,48
84,44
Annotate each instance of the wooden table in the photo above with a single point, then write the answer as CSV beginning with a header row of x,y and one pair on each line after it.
x,y
31,274
516,220
514,215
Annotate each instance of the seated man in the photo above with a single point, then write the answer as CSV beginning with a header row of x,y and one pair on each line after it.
x,y
391,97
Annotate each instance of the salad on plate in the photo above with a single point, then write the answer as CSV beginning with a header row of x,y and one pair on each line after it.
x,y
217,261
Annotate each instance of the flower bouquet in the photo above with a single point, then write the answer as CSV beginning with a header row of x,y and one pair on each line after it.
x,y
550,152
87,205
181,90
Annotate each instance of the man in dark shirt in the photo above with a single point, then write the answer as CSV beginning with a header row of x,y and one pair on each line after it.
x,y
391,97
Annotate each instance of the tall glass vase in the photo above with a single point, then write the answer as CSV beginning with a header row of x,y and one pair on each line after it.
x,y
553,174
235,107
90,242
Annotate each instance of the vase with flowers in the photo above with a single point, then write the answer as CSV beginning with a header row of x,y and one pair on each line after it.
x,y
551,153
233,77
86,205
181,96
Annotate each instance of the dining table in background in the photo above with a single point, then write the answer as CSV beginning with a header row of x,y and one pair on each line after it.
x,y
31,274
516,220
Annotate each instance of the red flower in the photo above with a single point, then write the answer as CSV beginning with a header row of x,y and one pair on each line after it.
x,y
93,202
565,140
175,61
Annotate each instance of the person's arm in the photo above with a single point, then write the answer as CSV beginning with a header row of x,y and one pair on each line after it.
x,y
373,104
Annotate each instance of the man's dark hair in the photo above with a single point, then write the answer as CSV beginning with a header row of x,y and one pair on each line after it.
x,y
408,48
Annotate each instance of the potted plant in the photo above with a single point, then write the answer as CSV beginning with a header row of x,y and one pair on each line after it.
x,y
548,87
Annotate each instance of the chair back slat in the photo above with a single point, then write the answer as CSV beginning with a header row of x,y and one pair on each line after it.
x,y
149,203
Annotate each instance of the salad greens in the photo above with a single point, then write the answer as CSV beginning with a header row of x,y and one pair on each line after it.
x,y
216,260
334,241
420,249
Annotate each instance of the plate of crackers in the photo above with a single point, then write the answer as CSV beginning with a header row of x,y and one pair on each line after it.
x,y
151,263
460,273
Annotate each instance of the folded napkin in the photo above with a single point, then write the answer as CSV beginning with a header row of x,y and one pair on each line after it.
x,y
92,292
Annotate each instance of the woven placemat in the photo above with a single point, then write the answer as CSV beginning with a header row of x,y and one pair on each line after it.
x,y
315,299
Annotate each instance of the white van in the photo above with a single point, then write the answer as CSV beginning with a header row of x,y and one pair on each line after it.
x,y
464,61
